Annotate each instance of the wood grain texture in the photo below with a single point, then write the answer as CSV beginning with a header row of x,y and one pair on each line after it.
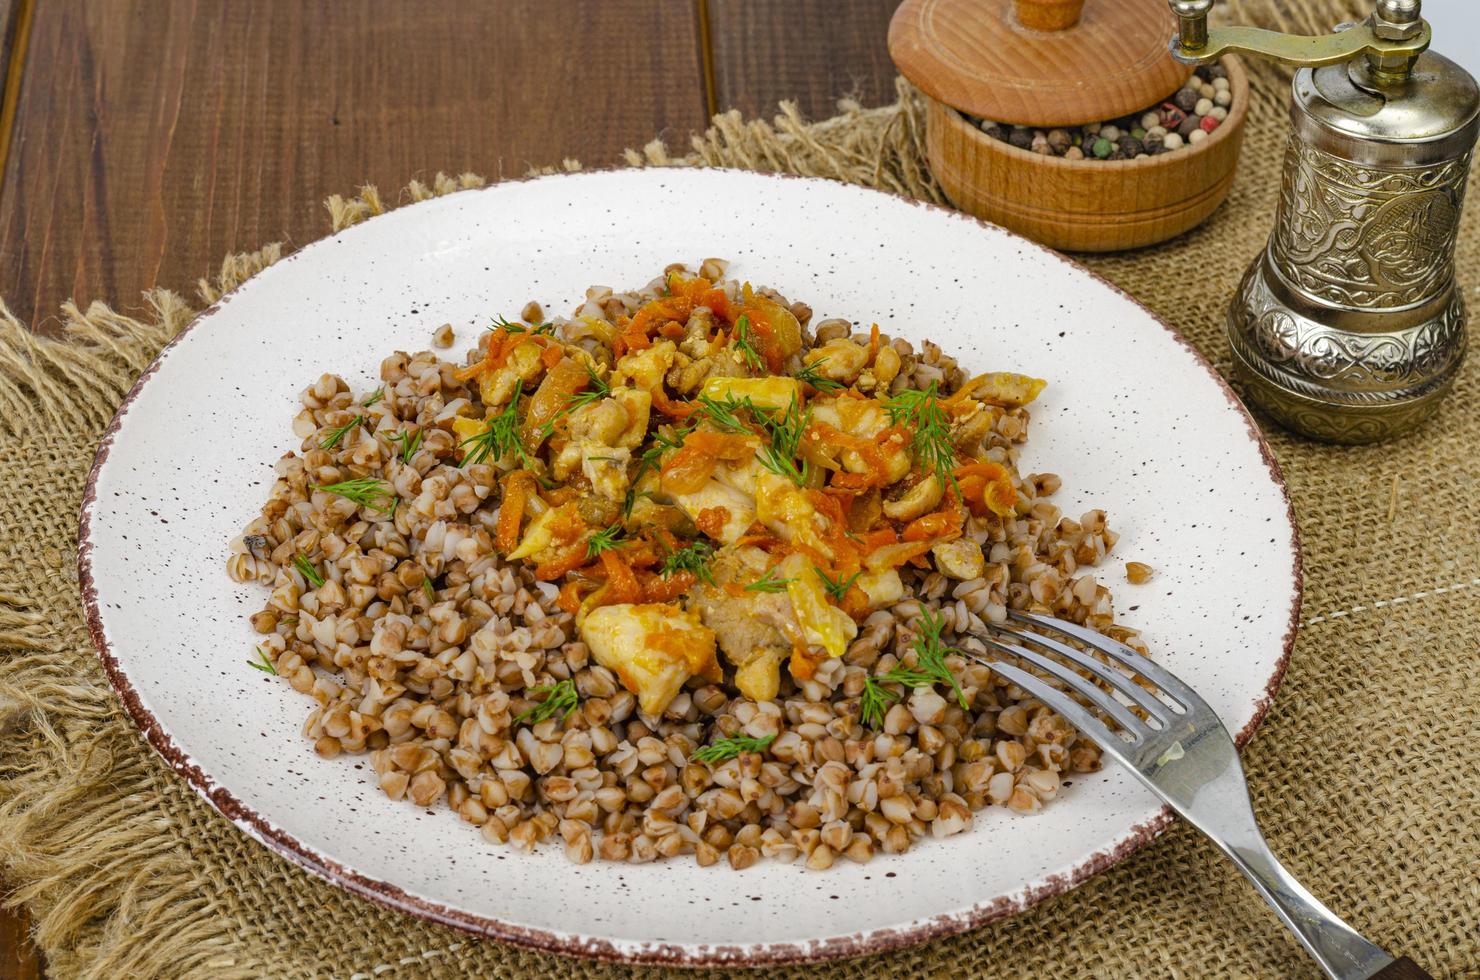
x,y
975,55
1084,205
154,136
812,51
18,958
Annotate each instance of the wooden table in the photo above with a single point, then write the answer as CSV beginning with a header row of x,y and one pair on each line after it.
x,y
142,140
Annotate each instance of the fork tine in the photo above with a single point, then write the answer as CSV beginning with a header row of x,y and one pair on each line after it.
x,y
1172,687
1072,710
1120,682
1098,696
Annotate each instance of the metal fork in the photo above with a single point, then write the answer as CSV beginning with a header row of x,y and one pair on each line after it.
x,y
1185,755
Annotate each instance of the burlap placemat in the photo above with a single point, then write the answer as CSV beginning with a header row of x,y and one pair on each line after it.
x,y
1364,774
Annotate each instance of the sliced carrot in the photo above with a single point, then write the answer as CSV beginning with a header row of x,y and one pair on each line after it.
x,y
677,410
620,580
517,487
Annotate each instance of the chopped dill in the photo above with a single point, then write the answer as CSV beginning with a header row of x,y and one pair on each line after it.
x,y
930,652
726,749
920,412
744,342
499,439
768,583
365,491
562,698
309,572
604,540
335,435
693,557
375,396
499,323
875,701
410,442
724,412
837,588
264,665
426,586
597,390
780,457
930,668
809,374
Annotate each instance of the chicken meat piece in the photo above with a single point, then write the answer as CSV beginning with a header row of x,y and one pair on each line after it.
x,y
755,631
865,418
653,648
723,511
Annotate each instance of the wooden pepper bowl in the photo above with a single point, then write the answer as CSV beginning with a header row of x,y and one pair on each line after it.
x,y
1086,205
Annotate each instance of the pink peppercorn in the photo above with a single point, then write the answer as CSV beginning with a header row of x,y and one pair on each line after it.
x,y
1171,116
1208,124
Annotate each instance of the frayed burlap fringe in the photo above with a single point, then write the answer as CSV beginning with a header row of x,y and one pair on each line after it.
x,y
127,874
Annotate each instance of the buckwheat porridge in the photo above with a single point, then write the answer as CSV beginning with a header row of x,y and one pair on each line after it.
x,y
681,573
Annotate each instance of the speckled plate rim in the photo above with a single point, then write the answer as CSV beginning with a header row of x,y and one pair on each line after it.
x,y
659,953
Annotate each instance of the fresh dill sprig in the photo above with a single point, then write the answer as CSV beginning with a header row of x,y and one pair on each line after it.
x,y
309,572
692,557
499,323
920,412
499,438
426,586
768,583
410,442
837,588
728,748
337,434
930,668
875,701
785,431
810,374
375,396
930,652
724,412
265,665
597,390
675,441
744,342
604,540
562,698
365,491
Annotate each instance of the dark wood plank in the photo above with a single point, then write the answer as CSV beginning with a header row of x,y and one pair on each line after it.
x,y
18,958
812,51
10,40
154,136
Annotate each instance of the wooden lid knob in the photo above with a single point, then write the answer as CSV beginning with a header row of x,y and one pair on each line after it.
x,y
1048,15
1038,62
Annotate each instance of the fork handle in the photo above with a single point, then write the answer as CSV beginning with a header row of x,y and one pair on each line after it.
x,y
1401,969
1340,950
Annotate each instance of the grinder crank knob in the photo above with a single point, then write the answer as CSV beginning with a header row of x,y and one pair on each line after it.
x,y
1192,23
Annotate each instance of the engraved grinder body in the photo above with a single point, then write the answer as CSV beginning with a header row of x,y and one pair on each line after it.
x,y
1349,327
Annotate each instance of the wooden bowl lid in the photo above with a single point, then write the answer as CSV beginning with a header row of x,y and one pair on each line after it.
x,y
1038,62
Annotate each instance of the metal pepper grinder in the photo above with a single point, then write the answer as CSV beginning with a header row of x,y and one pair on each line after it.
x,y
1349,326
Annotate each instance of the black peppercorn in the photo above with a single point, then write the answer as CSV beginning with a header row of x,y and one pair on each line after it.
x,y
1021,137
1189,125
1185,99
1059,141
1131,147
1153,143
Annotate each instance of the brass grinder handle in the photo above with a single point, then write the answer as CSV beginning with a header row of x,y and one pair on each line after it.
x,y
1392,39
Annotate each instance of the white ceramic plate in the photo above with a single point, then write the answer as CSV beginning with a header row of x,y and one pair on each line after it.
x,y
1133,420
